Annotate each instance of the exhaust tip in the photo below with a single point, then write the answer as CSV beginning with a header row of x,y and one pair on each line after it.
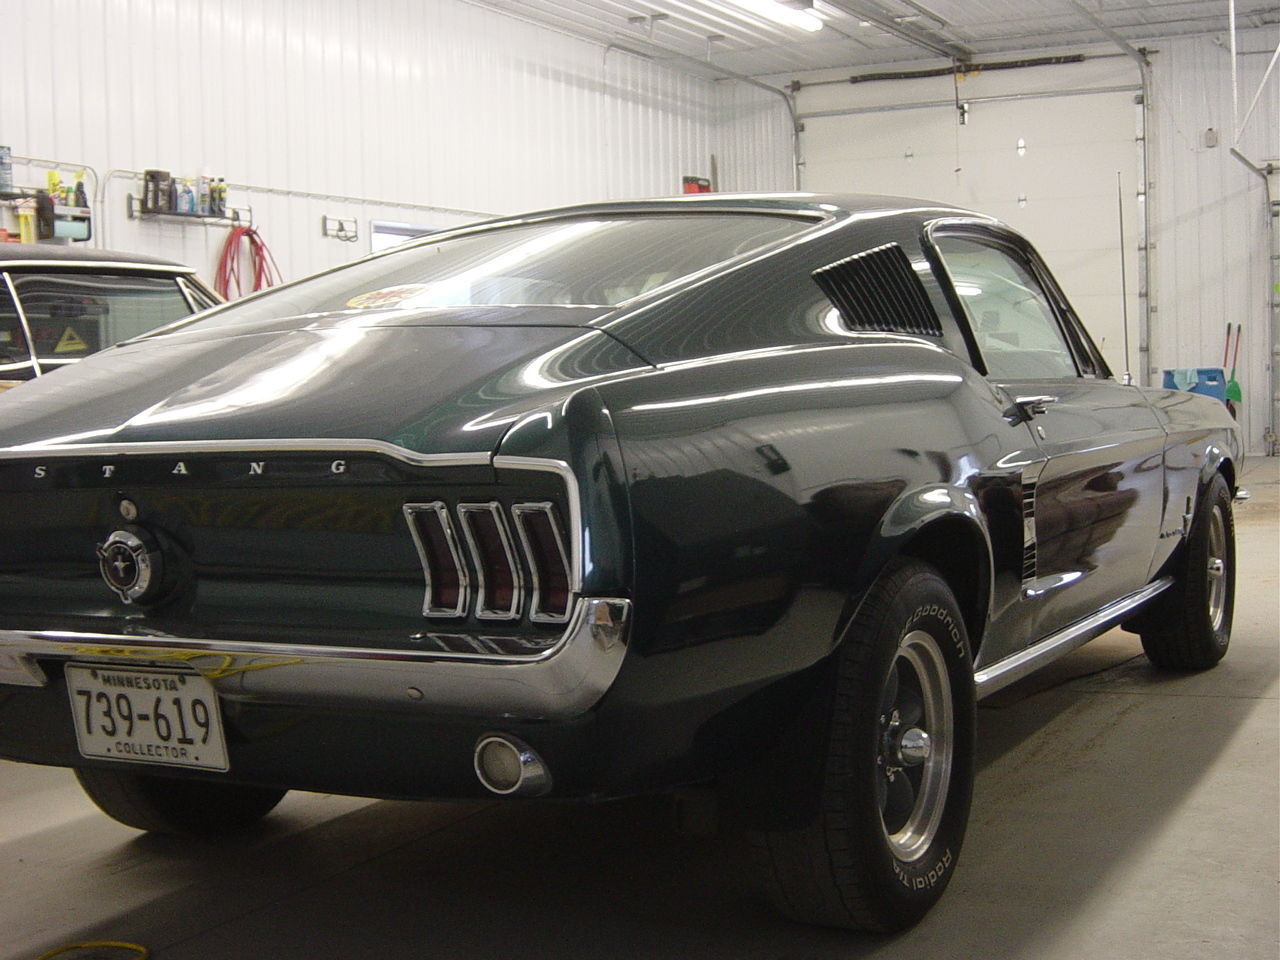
x,y
508,767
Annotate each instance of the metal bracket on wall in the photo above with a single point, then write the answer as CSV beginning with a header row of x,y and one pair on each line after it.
x,y
340,228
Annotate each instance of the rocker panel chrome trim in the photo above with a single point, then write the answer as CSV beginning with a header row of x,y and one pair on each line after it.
x,y
561,682
1012,668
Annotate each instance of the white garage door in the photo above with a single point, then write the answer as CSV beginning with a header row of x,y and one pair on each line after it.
x,y
1046,166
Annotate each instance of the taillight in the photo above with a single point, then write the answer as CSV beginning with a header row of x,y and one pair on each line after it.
x,y
482,570
446,574
500,587
540,536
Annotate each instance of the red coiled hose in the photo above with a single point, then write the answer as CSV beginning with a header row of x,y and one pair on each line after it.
x,y
262,264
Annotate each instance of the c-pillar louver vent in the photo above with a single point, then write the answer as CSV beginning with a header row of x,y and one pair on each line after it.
x,y
878,290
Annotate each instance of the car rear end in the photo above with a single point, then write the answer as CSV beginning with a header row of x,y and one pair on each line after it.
x,y
349,618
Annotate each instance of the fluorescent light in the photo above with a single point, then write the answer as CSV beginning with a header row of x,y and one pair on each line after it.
x,y
780,13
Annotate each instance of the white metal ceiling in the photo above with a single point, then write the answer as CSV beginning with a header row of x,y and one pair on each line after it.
x,y
717,36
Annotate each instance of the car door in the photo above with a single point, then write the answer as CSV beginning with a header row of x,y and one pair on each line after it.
x,y
1093,505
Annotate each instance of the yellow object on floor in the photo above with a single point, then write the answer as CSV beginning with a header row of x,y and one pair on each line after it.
x,y
140,952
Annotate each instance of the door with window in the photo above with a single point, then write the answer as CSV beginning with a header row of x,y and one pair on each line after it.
x,y
1093,506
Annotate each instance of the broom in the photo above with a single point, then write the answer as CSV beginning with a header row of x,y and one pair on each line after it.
x,y
1234,393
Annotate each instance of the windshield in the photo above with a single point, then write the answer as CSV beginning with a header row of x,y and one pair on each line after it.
x,y
570,261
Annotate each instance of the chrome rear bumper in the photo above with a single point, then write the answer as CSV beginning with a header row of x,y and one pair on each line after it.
x,y
562,681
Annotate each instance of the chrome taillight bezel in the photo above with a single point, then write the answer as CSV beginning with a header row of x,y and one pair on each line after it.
x,y
484,611
521,512
440,511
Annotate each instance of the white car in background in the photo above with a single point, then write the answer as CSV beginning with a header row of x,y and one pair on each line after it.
x,y
60,304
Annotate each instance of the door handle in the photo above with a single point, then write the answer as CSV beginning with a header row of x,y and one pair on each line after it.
x,y
1026,407
1035,404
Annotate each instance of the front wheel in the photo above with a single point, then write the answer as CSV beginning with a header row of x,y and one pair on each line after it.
x,y
190,808
896,740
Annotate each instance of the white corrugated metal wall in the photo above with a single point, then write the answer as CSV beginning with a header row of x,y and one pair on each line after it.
x,y
426,102
1212,244
1211,256
754,146
1040,150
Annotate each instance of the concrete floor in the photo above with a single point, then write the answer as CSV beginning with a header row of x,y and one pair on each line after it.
x,y
1119,813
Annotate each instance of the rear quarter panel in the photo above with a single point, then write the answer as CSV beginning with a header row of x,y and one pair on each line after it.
x,y
766,489
1201,438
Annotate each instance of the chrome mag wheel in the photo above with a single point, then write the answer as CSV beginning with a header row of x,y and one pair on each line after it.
x,y
1216,567
916,744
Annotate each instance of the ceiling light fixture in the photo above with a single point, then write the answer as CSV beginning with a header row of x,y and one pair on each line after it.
x,y
778,13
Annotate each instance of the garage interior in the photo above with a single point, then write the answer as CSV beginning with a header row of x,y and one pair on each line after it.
x,y
1119,813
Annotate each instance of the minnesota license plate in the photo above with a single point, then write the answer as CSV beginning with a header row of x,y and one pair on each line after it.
x,y
146,716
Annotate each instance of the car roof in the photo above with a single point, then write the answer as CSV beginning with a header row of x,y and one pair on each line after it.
x,y
818,204
20,254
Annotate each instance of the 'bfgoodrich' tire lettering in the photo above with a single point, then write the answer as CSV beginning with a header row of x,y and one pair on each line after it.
x,y
859,862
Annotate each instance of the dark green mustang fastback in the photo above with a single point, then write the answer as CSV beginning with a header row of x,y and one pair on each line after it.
x,y
758,492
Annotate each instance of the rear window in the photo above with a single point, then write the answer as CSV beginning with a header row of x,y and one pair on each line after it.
x,y
72,315
586,261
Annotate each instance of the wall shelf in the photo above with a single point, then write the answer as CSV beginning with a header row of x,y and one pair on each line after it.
x,y
69,223
234,217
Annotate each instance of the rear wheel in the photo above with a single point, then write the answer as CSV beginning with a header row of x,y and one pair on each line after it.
x,y
896,739
192,808
1188,626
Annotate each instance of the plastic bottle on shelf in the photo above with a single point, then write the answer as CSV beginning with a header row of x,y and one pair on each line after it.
x,y
81,196
186,197
203,195
44,215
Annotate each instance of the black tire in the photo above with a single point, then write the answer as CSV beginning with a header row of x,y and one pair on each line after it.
x,y
188,808
845,864
1188,626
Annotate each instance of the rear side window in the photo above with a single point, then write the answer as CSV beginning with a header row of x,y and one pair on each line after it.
x,y
572,261
1011,317
72,315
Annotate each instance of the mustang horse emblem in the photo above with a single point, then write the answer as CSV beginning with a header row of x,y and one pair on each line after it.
x,y
128,565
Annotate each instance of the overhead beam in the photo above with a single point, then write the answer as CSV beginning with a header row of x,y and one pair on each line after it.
x,y
926,39
1130,51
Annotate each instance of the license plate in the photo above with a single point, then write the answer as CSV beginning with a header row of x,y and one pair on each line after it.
x,y
146,716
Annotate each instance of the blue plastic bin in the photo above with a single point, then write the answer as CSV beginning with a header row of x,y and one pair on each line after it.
x,y
1210,381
